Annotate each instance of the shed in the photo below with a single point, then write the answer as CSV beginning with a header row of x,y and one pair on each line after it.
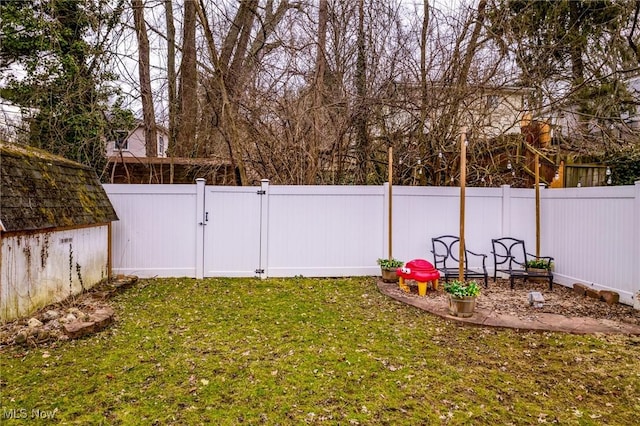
x,y
55,223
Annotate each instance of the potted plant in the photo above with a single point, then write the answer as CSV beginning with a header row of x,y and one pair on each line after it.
x,y
541,265
462,297
388,268
539,269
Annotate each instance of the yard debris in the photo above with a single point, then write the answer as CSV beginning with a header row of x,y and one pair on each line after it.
x,y
72,318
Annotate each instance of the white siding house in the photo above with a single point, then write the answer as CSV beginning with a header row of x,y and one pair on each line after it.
x,y
131,143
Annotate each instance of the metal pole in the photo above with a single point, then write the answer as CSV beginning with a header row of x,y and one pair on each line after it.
x,y
463,181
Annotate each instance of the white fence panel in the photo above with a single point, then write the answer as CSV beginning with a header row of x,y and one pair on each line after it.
x,y
325,230
232,231
593,233
156,233
422,213
590,233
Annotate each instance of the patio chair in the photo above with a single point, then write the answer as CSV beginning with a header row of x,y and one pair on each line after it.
x,y
510,257
446,249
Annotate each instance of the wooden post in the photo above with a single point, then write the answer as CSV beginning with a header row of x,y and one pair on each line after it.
x,y
390,202
109,255
537,169
463,181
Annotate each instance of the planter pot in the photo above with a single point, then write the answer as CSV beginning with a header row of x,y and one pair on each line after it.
x,y
538,271
389,275
462,307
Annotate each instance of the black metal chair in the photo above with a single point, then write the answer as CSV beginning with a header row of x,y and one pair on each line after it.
x,y
446,249
510,257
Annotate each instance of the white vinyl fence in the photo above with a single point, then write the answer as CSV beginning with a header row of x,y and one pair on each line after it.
x,y
332,231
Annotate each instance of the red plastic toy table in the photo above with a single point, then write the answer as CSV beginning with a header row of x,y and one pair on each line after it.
x,y
422,272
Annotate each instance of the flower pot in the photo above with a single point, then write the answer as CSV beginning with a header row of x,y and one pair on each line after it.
x,y
538,271
389,275
462,307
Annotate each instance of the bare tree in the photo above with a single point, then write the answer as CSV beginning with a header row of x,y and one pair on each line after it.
x,y
171,71
148,110
187,97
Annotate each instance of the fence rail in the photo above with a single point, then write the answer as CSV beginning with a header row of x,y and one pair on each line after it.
x,y
198,230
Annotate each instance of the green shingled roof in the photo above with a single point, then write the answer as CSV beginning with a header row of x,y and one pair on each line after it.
x,y
39,190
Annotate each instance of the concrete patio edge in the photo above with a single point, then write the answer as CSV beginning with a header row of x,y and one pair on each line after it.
x,y
543,322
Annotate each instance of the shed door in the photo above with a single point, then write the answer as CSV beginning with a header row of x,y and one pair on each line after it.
x,y
232,231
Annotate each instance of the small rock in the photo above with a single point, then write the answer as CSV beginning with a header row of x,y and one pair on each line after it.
x,y
536,299
78,329
580,289
593,293
20,338
611,297
70,318
34,323
102,317
50,315
43,335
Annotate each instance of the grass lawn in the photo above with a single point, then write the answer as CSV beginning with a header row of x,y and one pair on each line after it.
x,y
334,351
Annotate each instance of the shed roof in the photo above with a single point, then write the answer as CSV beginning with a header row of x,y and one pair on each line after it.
x,y
39,190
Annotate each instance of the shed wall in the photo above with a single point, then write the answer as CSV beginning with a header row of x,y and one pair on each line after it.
x,y
42,268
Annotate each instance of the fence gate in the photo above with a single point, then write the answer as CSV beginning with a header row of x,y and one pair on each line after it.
x,y
232,251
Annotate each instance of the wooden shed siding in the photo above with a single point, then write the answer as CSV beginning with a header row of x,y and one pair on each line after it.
x,y
41,268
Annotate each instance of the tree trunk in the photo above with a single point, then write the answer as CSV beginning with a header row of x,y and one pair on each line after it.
x,y
422,140
362,139
151,140
188,100
171,74
319,111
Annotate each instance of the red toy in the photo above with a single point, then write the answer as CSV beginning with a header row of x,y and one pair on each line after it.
x,y
422,272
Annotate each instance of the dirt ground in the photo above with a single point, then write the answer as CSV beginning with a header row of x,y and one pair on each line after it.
x,y
499,298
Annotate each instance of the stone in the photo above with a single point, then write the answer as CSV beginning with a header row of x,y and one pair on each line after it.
x,y
611,297
580,289
50,315
34,323
70,318
536,299
102,317
20,338
593,293
98,320
43,335
77,329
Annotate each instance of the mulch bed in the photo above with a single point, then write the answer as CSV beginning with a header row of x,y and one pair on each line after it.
x,y
499,298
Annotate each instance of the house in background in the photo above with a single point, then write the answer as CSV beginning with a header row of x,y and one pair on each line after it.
x,y
55,222
127,162
132,143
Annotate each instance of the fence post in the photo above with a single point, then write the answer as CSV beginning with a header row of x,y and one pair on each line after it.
x,y
200,224
264,229
636,247
506,210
